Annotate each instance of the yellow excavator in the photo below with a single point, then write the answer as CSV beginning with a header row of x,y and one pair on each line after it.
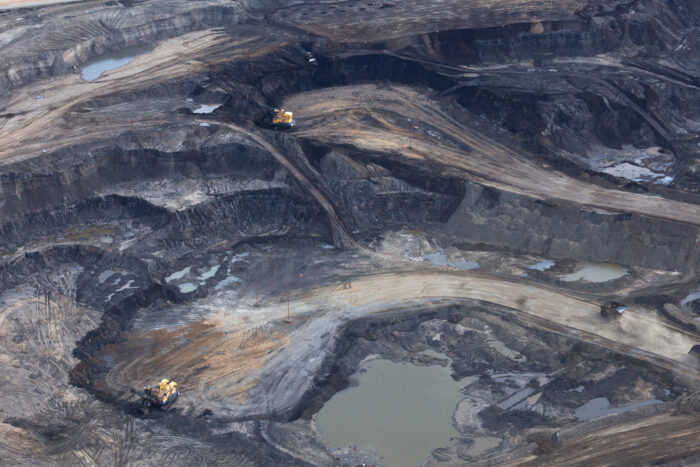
x,y
161,395
282,119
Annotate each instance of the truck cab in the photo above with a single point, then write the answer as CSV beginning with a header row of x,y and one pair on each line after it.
x,y
282,119
612,310
161,395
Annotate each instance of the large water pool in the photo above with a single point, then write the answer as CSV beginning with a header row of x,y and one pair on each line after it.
x,y
401,410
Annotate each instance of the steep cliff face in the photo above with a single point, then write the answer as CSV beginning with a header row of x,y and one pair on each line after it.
x,y
99,168
373,199
227,179
507,220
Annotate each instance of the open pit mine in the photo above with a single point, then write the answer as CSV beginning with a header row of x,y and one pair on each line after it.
x,y
344,233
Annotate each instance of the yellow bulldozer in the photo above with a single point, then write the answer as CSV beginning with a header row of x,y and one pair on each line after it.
x,y
162,395
282,119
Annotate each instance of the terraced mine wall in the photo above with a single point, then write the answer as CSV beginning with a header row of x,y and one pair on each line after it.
x,y
497,218
89,171
474,213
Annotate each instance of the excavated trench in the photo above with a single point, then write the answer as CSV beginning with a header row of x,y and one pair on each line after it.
x,y
133,209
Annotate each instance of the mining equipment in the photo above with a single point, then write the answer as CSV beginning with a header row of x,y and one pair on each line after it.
x,y
311,58
612,310
282,119
162,395
307,54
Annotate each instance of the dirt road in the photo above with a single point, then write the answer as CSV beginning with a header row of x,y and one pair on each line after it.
x,y
281,371
341,238
638,331
665,438
377,119
281,374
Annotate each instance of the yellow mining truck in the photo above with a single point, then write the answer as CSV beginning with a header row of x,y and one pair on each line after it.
x,y
282,119
161,395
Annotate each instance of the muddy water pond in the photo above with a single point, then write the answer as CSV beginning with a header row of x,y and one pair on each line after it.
x,y
600,406
401,410
95,66
596,272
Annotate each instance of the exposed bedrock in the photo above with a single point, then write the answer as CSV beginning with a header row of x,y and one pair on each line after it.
x,y
118,221
644,26
372,195
372,199
506,219
87,256
94,169
72,222
369,196
534,41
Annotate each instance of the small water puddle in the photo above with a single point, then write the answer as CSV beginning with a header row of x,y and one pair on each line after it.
x,y
595,272
95,66
188,287
542,265
209,273
401,410
230,277
206,108
637,173
106,275
439,258
600,406
229,280
179,274
126,286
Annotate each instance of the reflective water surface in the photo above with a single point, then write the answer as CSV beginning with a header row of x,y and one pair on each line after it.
x,y
95,66
401,410
596,272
